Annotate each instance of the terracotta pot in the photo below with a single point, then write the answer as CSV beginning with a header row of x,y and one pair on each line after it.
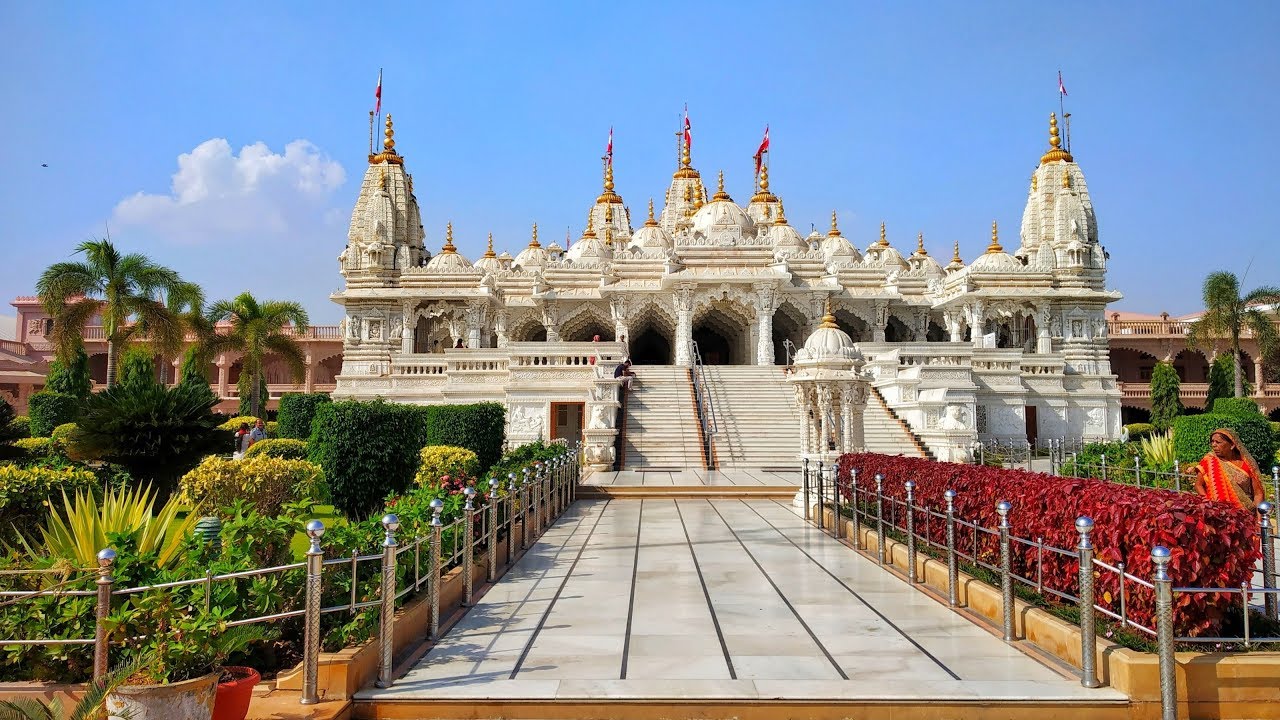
x,y
186,700
234,694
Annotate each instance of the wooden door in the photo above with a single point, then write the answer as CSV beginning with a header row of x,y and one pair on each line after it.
x,y
566,422
1033,425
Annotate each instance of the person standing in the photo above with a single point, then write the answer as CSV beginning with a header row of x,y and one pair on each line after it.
x,y
1228,473
259,432
242,441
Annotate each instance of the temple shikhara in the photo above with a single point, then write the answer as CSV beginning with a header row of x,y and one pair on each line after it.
x,y
1012,344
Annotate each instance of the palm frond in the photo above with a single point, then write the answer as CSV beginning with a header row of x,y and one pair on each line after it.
x,y
164,328
285,312
64,280
101,254
28,709
68,326
291,351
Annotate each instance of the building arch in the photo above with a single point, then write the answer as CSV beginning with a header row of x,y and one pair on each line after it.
x,y
1130,365
587,321
1191,365
528,327
722,330
789,324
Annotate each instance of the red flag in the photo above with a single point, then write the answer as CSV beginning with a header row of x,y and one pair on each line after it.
x,y
377,94
764,148
688,132
1062,89
608,150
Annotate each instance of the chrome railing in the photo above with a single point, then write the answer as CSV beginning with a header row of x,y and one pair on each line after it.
x,y
533,500
990,548
706,403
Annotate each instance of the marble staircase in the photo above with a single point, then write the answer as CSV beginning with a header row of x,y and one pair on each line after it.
x,y
661,428
885,433
758,421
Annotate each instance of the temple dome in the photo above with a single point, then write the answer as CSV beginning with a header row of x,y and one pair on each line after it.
x,y
995,259
835,247
828,342
722,215
786,237
489,262
449,260
651,236
533,256
589,250
921,259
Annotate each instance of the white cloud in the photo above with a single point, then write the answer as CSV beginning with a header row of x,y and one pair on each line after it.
x,y
217,195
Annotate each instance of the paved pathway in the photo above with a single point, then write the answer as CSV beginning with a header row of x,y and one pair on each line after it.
x,y
741,599
695,476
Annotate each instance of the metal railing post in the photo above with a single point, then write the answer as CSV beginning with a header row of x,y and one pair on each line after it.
x,y
808,515
880,543
1104,466
469,548
491,572
911,532
822,497
837,517
1088,644
1137,470
526,497
387,619
511,518
853,503
1268,561
1164,633
1006,574
1177,475
437,566
953,569
106,563
311,632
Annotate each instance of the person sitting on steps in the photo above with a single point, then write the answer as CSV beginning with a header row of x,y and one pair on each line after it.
x,y
624,372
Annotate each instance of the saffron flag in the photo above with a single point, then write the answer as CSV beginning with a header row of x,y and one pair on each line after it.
x,y
1062,89
377,94
608,150
688,132
764,148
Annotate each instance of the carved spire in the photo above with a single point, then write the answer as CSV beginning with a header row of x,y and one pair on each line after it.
x,y
448,248
994,247
651,222
782,213
388,153
835,230
533,241
828,317
721,195
955,255
591,228
489,252
608,196
883,241
920,245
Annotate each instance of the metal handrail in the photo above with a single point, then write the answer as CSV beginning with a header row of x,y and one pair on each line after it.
x,y
706,405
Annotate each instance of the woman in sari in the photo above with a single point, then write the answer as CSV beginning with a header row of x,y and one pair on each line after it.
x,y
1228,473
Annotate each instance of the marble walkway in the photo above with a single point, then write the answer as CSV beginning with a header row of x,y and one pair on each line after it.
x,y
695,476
724,598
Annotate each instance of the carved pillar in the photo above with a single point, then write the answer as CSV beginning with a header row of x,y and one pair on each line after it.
x,y
953,319
500,320
684,325
824,419
977,322
846,430
1260,380
618,310
922,324
551,320
477,312
855,409
310,375
224,372
882,320
806,425
764,303
1044,341
408,328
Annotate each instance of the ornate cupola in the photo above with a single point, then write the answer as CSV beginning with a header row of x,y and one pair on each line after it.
x,y
385,235
995,259
835,247
533,256
1059,229
721,221
881,252
449,260
956,264
651,236
684,196
608,215
489,261
590,250
922,261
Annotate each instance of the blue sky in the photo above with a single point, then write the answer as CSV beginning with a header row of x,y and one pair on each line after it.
x,y
227,140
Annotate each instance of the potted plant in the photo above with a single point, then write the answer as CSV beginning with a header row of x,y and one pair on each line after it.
x,y
90,704
188,651
235,690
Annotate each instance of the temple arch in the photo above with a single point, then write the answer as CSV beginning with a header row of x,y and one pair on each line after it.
x,y
788,325
722,329
586,322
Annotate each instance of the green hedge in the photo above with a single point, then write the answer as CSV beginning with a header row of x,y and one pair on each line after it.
x,y
286,448
1236,406
480,428
515,460
48,410
367,451
1191,435
1137,431
297,410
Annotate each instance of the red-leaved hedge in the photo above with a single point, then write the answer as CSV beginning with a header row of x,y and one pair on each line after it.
x,y
1212,544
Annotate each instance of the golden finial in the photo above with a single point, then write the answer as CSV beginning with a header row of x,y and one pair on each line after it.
x,y
698,195
764,195
828,317
834,231
782,213
920,245
608,176
686,169
720,195
448,239
1066,178
389,144
533,242
764,178
882,242
1035,182
688,193
489,252
608,196
955,254
994,247
1055,150
591,228
650,222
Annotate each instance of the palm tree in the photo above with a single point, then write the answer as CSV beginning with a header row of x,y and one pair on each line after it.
x,y
1228,315
90,706
117,287
258,329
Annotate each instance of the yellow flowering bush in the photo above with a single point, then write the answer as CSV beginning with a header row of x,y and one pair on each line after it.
x,y
273,429
279,447
35,447
25,492
234,423
265,482
440,460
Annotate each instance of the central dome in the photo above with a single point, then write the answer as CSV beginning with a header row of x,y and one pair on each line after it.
x,y
722,216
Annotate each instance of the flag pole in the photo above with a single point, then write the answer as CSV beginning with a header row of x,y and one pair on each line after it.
x,y
1060,105
370,132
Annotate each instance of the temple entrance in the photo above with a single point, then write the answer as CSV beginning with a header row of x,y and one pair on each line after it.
x,y
788,334
721,331
566,422
649,347
713,347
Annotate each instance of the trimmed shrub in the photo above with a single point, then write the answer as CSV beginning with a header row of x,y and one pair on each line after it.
x,y
1213,544
441,460
367,451
1222,379
34,448
1166,400
19,427
1191,435
234,423
279,448
72,378
264,482
297,410
272,428
25,493
527,454
48,410
480,428
1137,431
137,368
1236,406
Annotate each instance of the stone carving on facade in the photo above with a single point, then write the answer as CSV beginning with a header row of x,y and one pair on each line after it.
x,y
956,417
526,421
